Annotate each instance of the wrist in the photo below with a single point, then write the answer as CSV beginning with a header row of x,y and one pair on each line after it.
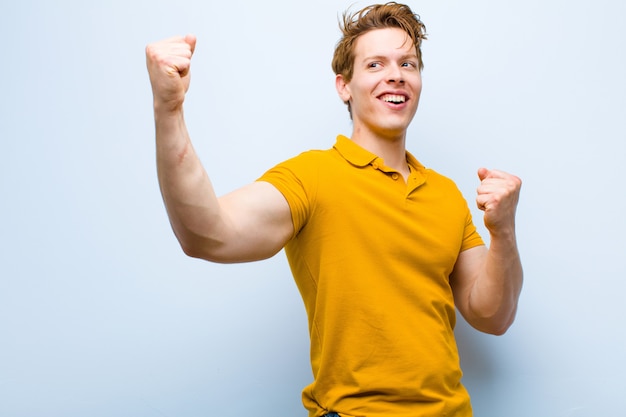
x,y
165,107
167,110
504,237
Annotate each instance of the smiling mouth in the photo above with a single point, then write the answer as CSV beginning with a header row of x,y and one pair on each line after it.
x,y
393,98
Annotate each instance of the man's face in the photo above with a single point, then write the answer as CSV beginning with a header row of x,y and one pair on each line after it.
x,y
386,83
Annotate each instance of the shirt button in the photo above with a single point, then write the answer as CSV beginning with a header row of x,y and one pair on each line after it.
x,y
375,165
395,176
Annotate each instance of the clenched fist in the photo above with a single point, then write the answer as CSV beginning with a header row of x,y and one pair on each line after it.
x,y
168,63
498,195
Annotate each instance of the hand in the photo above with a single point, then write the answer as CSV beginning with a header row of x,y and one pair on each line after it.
x,y
168,63
498,195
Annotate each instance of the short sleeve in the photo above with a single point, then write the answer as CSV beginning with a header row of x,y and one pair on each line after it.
x,y
471,237
295,179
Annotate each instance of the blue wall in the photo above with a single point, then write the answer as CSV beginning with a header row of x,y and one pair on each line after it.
x,y
101,314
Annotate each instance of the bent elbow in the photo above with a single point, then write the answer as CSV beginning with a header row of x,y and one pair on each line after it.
x,y
497,330
197,247
191,251
493,326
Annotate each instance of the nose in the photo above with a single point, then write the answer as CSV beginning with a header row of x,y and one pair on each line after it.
x,y
395,75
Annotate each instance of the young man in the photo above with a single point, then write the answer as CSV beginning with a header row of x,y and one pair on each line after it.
x,y
382,249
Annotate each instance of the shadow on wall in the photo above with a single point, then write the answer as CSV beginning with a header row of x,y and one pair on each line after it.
x,y
477,361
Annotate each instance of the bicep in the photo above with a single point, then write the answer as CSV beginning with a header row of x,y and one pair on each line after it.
x,y
257,222
464,276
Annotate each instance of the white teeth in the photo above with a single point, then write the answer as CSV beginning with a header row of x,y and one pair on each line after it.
x,y
392,98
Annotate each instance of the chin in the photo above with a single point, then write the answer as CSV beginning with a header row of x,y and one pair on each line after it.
x,y
395,128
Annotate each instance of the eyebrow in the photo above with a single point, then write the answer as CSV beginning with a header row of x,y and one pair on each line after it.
x,y
384,58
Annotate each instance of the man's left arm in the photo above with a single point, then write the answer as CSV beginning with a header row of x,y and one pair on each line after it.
x,y
487,282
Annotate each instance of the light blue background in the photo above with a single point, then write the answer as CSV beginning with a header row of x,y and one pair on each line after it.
x,y
101,314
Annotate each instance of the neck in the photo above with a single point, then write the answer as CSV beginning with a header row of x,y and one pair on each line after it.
x,y
392,149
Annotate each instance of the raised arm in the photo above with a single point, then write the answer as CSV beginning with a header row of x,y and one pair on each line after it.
x,y
487,282
251,223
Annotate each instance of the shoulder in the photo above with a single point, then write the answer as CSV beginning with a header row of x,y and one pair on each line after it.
x,y
305,165
437,177
430,175
442,183
310,157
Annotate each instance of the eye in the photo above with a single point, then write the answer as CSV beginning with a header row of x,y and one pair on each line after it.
x,y
409,64
374,65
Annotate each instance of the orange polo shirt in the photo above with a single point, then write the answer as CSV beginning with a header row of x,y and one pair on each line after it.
x,y
371,255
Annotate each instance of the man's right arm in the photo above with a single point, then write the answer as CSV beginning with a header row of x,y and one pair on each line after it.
x,y
251,223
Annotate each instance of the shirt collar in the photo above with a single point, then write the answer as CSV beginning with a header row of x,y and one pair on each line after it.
x,y
361,157
353,153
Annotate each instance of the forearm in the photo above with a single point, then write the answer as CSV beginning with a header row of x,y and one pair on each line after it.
x,y
191,203
494,296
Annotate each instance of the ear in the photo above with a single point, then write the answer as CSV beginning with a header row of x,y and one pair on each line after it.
x,y
343,89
